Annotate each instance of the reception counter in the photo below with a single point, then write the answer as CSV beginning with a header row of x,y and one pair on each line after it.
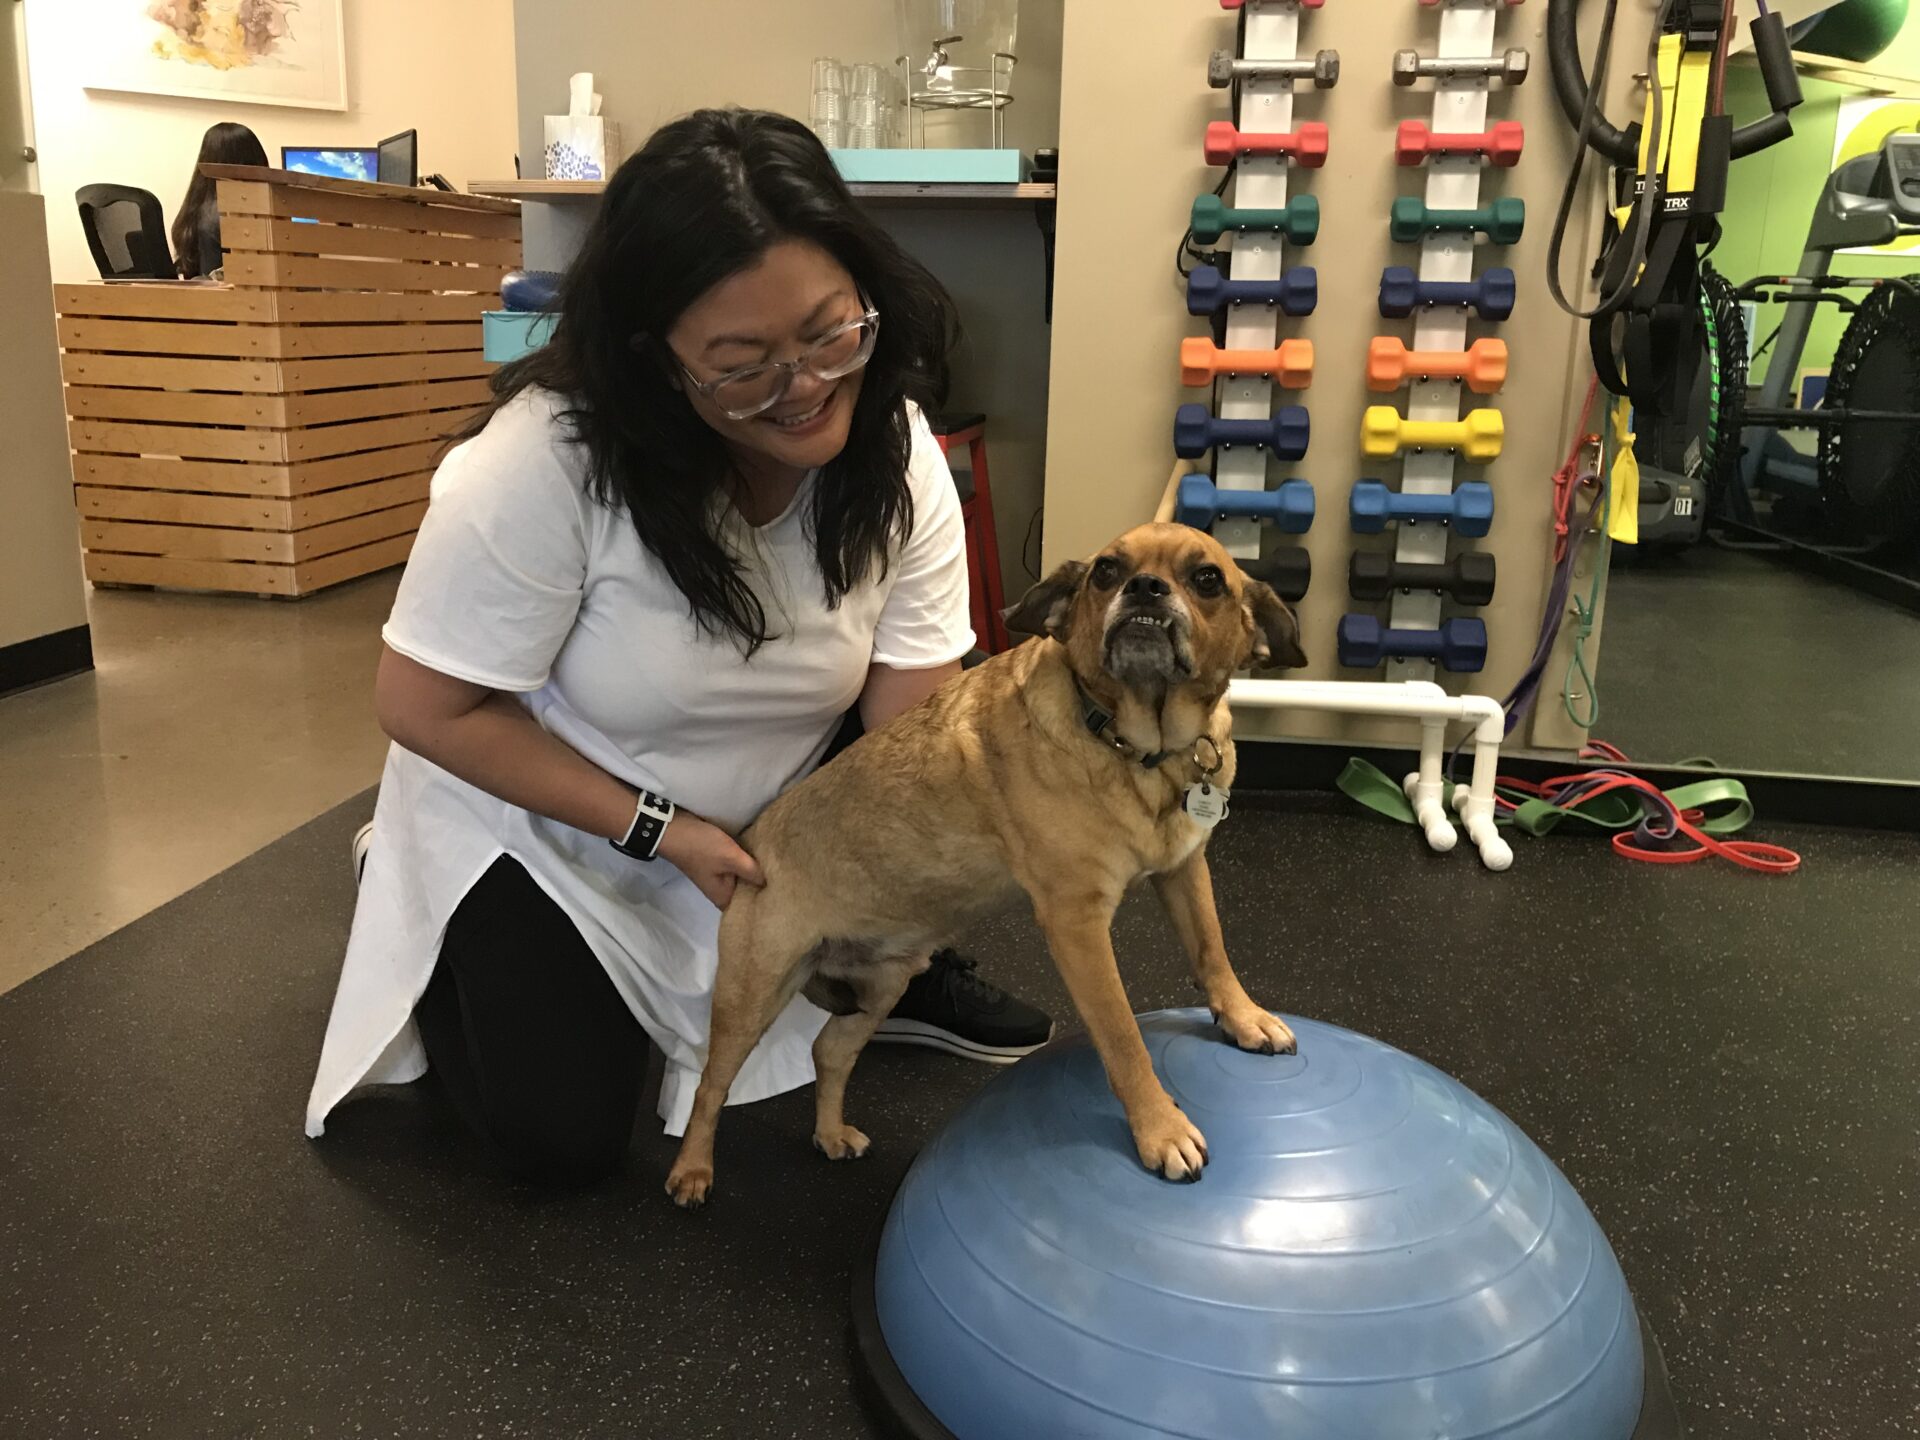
x,y
274,434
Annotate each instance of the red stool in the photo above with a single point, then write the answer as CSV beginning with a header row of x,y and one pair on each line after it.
x,y
986,597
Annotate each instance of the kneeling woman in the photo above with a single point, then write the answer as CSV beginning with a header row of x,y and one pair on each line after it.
x,y
701,525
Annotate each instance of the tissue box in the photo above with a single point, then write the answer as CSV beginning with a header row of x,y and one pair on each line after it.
x,y
582,147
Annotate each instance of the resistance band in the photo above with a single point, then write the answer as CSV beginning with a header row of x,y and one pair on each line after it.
x,y
1676,827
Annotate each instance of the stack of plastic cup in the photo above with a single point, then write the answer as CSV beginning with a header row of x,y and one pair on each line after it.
x,y
866,85
829,115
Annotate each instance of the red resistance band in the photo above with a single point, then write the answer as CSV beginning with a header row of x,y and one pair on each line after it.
x,y
1747,854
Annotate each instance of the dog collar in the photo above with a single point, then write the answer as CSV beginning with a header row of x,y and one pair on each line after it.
x,y
1099,723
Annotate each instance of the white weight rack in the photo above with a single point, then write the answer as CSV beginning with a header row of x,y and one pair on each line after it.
x,y
1272,31
1467,32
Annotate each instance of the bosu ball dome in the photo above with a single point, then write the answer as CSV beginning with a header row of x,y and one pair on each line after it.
x,y
1373,1252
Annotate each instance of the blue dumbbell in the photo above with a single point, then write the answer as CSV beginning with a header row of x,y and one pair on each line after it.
x,y
1402,292
1459,645
1297,291
1199,502
1469,509
1286,432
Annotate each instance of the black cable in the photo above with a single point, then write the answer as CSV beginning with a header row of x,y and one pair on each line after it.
x,y
1185,248
1640,234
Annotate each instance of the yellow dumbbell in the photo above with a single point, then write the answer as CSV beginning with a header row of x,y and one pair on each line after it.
x,y
1478,437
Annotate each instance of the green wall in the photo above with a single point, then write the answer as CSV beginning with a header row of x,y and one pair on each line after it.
x,y
1770,196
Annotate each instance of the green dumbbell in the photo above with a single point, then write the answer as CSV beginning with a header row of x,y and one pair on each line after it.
x,y
1299,222
1503,220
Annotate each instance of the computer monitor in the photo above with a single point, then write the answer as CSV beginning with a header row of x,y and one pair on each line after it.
x,y
400,159
351,163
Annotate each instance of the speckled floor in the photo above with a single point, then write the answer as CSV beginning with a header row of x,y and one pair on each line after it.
x,y
1725,1065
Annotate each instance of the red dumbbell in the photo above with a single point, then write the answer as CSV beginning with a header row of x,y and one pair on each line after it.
x,y
1502,144
1307,145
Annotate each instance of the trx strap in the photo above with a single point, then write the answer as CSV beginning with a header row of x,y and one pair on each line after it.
x,y
1638,350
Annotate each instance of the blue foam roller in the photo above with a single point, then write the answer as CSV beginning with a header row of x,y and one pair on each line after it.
x,y
1459,645
1288,507
1402,291
1296,292
1287,432
1373,1251
1469,509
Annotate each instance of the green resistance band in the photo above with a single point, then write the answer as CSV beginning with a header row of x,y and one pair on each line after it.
x,y
1724,802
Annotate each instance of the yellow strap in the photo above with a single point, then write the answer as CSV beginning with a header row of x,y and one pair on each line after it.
x,y
1684,80
1623,483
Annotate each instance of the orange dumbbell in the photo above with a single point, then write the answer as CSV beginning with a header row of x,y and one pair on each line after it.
x,y
1201,362
1483,365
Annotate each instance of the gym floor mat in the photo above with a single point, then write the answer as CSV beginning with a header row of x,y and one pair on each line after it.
x,y
1723,1064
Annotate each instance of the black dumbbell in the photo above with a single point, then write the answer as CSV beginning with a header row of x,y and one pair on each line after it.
x,y
1467,577
1288,571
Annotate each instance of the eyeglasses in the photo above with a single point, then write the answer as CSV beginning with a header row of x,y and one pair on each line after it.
x,y
741,394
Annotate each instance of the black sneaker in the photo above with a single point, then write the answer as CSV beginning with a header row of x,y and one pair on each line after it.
x,y
949,1007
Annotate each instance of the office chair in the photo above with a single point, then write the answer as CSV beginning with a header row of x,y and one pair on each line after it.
x,y
126,231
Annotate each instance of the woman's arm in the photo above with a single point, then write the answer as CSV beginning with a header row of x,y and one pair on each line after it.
x,y
486,739
889,690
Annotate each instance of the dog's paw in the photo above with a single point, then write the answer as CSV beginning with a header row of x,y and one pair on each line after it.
x,y
689,1184
846,1143
1254,1029
1171,1145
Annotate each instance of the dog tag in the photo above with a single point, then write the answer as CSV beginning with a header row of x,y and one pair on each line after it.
x,y
1205,805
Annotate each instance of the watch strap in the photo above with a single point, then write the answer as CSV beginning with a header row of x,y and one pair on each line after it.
x,y
651,814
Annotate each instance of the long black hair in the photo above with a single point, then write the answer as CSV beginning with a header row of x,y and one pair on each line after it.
x,y
705,199
198,222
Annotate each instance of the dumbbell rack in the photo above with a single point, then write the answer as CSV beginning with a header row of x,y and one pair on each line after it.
x,y
1260,182
1456,146
1249,431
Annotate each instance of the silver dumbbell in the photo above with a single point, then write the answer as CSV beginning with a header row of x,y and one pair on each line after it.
x,y
1323,69
1410,65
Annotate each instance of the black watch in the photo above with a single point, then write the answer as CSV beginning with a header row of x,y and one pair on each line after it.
x,y
650,817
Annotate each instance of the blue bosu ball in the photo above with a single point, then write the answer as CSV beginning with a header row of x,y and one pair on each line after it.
x,y
1373,1251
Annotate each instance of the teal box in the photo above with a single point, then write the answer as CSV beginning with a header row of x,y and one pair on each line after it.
x,y
508,334
931,167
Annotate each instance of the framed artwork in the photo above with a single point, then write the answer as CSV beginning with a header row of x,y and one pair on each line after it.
x,y
257,52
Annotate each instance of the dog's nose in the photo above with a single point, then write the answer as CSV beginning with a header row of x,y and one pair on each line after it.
x,y
1147,587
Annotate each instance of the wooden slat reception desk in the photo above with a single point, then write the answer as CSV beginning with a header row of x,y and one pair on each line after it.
x,y
274,434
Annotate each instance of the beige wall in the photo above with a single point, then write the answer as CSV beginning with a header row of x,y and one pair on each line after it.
x,y
1134,104
443,67
656,59
41,591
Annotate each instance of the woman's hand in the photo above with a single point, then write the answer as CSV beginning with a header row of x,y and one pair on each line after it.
x,y
709,857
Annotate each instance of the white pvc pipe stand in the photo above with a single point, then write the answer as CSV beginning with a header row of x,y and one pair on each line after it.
x,y
1426,702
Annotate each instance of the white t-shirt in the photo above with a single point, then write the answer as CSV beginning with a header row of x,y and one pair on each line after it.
x,y
520,581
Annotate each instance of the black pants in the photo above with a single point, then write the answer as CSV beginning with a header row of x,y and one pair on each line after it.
x,y
529,1037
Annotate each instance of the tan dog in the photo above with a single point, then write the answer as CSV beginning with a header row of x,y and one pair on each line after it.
x,y
1065,768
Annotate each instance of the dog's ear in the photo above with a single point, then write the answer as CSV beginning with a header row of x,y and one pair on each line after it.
x,y
1276,629
1044,609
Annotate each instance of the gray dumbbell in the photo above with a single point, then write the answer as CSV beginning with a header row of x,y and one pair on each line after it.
x,y
1410,65
1323,69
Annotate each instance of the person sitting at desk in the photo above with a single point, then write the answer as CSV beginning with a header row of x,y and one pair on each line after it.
x,y
196,229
